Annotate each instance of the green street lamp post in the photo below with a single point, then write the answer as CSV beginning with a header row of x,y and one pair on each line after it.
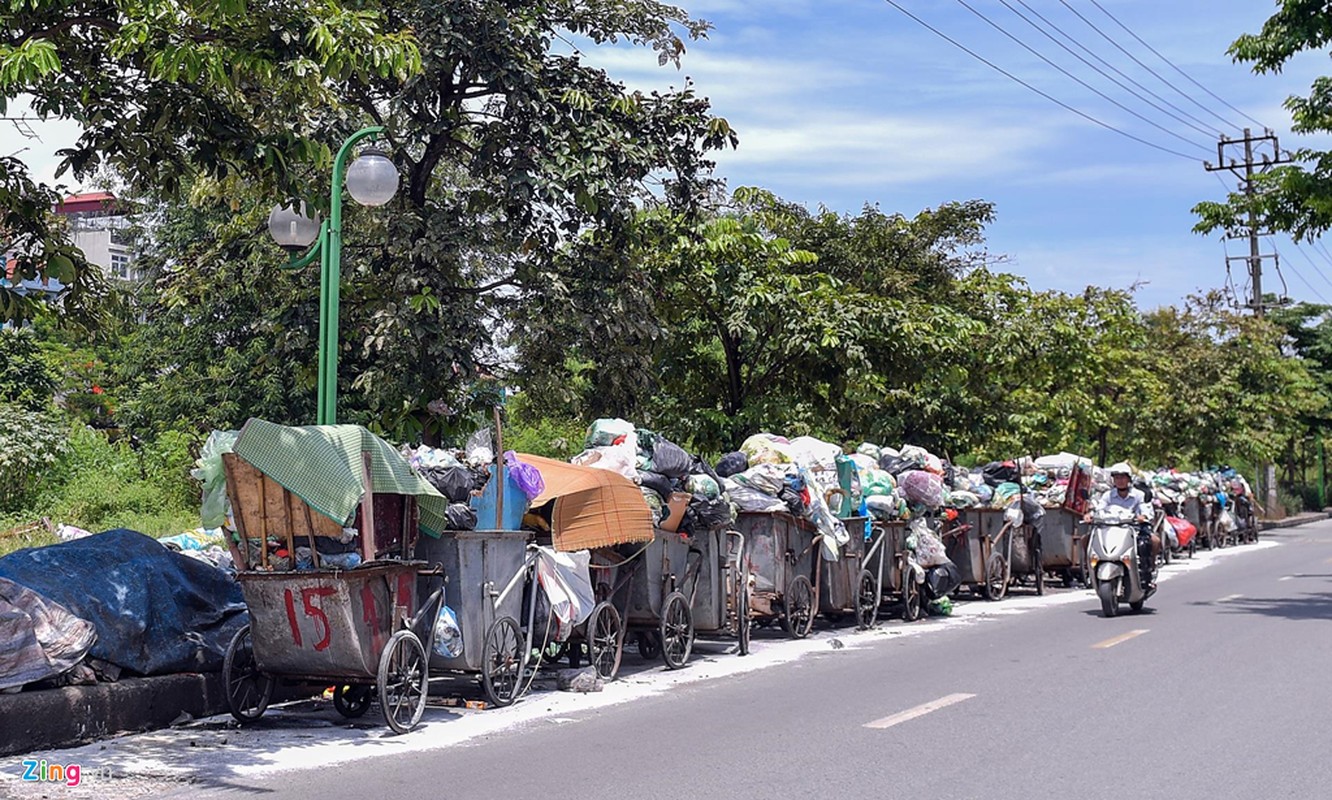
x,y
371,180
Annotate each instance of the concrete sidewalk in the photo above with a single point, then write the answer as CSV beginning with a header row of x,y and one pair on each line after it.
x,y
1297,520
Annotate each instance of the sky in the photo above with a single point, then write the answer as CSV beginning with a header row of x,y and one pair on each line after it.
x,y
843,103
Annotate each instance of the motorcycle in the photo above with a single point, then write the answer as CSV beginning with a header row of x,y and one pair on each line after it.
x,y
1113,555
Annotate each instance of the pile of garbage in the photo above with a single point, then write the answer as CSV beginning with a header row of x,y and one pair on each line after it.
x,y
681,490
457,474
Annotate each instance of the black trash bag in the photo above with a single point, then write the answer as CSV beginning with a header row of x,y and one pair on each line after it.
x,y
658,483
896,465
942,581
1146,489
997,472
706,515
1032,510
460,517
795,501
701,467
671,460
455,483
732,464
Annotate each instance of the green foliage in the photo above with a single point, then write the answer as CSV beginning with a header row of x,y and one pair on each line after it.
x,y
31,443
526,432
166,92
97,484
25,379
1295,198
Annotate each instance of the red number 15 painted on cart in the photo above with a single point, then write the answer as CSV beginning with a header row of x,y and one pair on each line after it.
x,y
312,611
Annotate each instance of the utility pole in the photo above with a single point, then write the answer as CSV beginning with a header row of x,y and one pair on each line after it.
x,y
1256,162
1245,171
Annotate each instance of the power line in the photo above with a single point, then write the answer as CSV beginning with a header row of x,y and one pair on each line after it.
x,y
1080,81
1315,267
1176,68
1277,250
1018,80
1137,61
1211,130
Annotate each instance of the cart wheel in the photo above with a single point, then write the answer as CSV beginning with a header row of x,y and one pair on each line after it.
x,y
404,679
1040,582
649,646
867,601
677,631
248,689
501,662
1037,558
744,624
605,637
352,701
1211,541
996,578
798,607
912,606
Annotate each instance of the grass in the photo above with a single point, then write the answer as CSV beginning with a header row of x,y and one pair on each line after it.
x,y
100,484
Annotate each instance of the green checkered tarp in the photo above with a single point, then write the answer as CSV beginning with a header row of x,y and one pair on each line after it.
x,y
321,464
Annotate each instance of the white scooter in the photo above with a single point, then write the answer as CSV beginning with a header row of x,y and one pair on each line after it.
x,y
1113,555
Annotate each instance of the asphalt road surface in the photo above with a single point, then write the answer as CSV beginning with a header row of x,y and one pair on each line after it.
x,y
1219,690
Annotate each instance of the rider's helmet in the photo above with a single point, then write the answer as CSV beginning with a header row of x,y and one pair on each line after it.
x,y
1122,468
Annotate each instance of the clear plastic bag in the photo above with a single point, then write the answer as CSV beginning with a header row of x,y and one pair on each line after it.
x,y
210,472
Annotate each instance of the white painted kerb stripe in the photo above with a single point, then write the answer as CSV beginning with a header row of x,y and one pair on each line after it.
x,y
1230,597
1120,639
918,711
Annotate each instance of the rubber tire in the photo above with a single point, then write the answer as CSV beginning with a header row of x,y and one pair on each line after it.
x,y
352,700
649,646
490,654
676,604
229,665
913,603
1136,606
411,647
867,601
1109,594
800,587
607,668
994,589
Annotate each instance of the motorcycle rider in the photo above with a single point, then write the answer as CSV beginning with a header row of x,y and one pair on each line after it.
x,y
1123,495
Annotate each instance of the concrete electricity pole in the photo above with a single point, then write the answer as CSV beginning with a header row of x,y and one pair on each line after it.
x,y
1245,171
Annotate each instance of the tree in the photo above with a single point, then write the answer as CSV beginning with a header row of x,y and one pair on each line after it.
x,y
166,92
1295,198
511,152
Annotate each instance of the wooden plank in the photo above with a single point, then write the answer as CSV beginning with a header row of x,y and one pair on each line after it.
x,y
367,511
242,489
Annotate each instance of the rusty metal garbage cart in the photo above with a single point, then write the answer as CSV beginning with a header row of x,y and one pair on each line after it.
x,y
889,580
838,583
982,549
1063,538
350,618
717,583
492,591
603,512
780,554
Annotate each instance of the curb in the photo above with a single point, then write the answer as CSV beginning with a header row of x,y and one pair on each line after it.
x,y
74,715
1295,521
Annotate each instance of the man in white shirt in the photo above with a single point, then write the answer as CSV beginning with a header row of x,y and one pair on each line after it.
x,y
1123,495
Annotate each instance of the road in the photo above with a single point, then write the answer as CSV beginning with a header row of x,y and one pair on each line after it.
x,y
1220,690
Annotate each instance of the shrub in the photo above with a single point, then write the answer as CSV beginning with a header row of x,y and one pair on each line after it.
x,y
31,443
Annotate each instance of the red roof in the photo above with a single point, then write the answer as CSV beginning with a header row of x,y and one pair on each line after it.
x,y
89,201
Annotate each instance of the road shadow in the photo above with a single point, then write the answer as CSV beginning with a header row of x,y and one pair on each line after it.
x,y
1308,606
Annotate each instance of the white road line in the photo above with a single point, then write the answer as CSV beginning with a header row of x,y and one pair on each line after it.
x,y
1120,639
1230,597
1288,578
918,711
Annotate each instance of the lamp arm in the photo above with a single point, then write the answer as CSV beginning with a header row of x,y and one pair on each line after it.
x,y
310,255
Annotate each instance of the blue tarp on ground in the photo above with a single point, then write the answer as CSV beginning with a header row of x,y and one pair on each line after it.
x,y
155,611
